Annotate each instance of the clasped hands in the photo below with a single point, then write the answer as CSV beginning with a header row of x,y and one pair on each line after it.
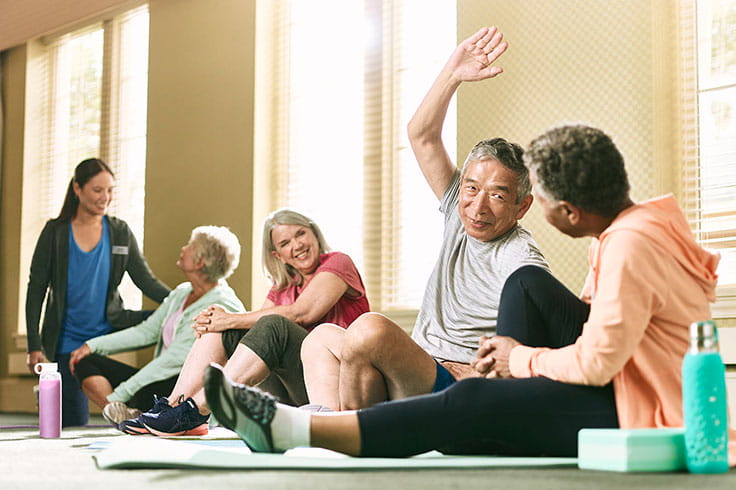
x,y
492,359
213,319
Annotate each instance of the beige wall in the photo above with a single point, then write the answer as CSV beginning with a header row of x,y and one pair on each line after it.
x,y
199,165
595,62
13,83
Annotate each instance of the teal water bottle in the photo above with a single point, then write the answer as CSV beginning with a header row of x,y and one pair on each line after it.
x,y
704,402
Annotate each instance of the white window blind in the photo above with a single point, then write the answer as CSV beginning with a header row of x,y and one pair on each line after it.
x,y
324,97
344,93
420,49
123,138
90,92
709,123
73,92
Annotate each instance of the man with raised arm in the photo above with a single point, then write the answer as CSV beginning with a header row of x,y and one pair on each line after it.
x,y
374,359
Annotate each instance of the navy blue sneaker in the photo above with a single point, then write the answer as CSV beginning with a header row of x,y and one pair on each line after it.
x,y
135,427
181,420
247,411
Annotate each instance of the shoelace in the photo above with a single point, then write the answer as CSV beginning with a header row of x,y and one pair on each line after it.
x,y
159,404
262,406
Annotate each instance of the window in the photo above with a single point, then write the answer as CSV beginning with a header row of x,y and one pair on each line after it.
x,y
87,94
344,93
710,170
420,50
73,90
324,163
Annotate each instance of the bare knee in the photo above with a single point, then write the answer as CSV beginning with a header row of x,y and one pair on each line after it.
x,y
325,337
369,334
207,341
208,346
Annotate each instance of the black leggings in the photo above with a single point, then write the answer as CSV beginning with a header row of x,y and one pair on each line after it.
x,y
516,417
116,372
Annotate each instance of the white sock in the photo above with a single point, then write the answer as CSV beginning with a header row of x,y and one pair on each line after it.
x,y
290,427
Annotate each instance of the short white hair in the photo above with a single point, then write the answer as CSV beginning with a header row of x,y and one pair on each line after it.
x,y
219,248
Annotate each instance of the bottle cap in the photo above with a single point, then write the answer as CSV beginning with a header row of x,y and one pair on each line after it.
x,y
704,336
46,367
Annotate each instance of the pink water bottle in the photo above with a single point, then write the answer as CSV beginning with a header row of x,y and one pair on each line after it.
x,y
49,400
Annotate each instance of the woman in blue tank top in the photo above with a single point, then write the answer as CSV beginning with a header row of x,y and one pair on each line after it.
x,y
78,263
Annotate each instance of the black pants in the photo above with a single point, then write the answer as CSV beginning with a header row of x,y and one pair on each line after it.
x,y
519,417
116,372
74,403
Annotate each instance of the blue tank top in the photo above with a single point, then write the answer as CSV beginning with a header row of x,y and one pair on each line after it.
x,y
88,278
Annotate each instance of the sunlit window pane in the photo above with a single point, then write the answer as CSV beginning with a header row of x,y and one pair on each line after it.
x,y
425,47
130,136
75,113
379,59
717,42
128,141
718,177
717,124
326,120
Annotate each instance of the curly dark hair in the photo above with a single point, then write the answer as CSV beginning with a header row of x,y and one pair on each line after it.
x,y
510,155
581,165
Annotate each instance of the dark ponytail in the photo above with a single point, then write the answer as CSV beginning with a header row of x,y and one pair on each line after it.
x,y
82,174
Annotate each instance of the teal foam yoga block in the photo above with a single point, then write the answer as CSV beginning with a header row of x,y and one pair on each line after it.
x,y
632,449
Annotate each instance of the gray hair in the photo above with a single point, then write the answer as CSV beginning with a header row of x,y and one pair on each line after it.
x,y
510,155
219,248
283,274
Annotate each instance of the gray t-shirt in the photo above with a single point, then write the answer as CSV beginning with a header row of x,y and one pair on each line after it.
x,y
461,299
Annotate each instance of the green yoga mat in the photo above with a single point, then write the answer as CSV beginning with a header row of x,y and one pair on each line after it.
x,y
153,452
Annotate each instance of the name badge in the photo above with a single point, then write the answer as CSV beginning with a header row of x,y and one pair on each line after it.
x,y
119,250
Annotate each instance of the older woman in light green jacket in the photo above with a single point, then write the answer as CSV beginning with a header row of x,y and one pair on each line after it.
x,y
210,256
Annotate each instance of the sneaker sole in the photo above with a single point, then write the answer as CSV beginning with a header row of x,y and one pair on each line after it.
x,y
201,430
134,431
230,413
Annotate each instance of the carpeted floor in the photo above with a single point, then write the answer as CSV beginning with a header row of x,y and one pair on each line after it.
x,y
26,461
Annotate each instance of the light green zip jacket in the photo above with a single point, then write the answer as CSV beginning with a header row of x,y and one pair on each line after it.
x,y
166,363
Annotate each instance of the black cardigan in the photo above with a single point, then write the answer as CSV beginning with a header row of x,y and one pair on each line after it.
x,y
49,273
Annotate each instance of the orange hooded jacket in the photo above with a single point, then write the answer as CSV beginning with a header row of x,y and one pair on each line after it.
x,y
648,281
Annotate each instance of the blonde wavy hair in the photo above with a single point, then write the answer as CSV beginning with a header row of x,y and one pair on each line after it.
x,y
280,274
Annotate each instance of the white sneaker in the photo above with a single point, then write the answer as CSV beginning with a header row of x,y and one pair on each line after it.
x,y
116,412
